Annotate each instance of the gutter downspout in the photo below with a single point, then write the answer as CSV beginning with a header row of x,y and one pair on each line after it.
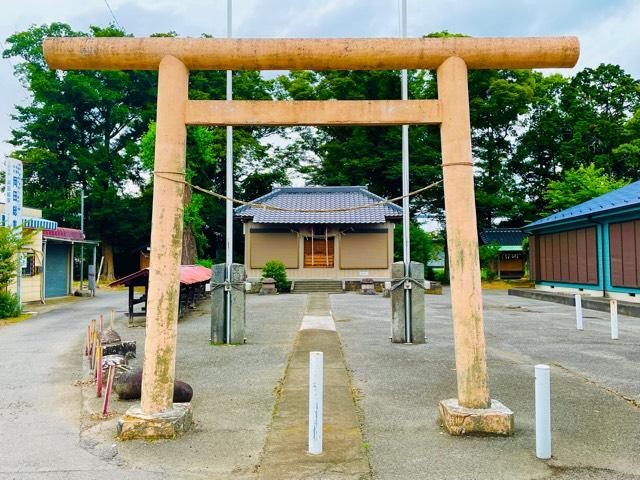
x,y
604,281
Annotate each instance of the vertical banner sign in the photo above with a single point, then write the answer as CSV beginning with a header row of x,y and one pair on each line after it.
x,y
13,209
13,190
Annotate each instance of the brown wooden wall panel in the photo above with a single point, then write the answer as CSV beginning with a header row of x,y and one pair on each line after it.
x,y
629,270
624,254
534,258
592,256
568,257
615,254
555,252
549,256
564,257
637,249
572,256
581,252
273,246
364,250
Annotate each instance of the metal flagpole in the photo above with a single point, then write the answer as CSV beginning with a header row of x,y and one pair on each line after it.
x,y
229,203
406,253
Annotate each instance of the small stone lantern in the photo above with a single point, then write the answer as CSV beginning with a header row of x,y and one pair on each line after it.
x,y
268,287
367,286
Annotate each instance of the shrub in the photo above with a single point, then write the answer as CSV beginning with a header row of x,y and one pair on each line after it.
x,y
439,276
9,305
275,269
205,262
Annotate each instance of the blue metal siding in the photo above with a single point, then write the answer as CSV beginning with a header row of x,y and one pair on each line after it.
x,y
56,270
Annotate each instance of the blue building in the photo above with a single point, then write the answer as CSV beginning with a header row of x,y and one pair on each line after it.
x,y
593,247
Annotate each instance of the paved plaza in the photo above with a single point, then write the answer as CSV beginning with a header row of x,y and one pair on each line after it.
x,y
49,432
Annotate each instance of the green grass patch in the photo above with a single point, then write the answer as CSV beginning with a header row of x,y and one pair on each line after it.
x,y
11,320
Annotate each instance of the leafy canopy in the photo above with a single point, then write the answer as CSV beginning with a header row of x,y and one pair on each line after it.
x,y
579,185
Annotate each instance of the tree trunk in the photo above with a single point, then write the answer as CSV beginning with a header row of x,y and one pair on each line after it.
x,y
189,249
108,270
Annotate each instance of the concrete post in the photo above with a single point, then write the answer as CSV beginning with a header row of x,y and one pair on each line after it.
x,y
166,238
218,306
416,297
543,411
462,236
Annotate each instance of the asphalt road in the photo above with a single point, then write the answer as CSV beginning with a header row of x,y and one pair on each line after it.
x,y
40,408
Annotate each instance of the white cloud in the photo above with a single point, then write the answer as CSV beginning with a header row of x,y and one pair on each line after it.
x,y
608,30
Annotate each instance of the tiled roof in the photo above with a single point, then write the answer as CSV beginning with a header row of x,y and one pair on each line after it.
x,y
64,233
320,198
628,196
502,236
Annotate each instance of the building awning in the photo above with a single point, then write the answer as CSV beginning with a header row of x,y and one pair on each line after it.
x,y
511,248
67,235
31,222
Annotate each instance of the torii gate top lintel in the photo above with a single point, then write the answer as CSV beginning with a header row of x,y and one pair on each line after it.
x,y
126,53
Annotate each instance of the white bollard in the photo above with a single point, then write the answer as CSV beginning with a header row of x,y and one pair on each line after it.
x,y
579,324
315,402
543,411
613,307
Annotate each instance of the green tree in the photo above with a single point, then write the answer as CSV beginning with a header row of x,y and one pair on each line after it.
x,y
255,170
368,156
579,185
94,130
598,102
536,159
420,244
80,130
12,241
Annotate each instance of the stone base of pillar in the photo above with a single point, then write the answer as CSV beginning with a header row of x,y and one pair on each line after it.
x,y
135,425
398,334
458,420
218,307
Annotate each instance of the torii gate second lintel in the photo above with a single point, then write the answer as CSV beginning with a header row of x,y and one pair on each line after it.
x,y
473,410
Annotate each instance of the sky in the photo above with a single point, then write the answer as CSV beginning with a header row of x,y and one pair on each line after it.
x,y
608,29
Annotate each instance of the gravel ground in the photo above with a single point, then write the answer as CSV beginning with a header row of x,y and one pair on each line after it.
x,y
594,383
233,396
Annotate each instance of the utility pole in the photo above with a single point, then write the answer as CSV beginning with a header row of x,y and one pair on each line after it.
x,y
82,244
229,191
406,251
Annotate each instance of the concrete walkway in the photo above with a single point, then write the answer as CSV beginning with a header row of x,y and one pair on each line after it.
x,y
285,455
594,380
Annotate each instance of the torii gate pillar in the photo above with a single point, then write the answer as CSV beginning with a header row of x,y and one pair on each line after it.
x,y
473,410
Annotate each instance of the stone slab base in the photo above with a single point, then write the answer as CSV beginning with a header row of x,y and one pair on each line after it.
x,y
136,425
458,420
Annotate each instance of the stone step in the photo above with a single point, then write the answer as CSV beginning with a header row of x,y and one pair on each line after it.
x,y
311,286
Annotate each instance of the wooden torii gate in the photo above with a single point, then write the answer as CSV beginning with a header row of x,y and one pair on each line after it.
x,y
450,57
